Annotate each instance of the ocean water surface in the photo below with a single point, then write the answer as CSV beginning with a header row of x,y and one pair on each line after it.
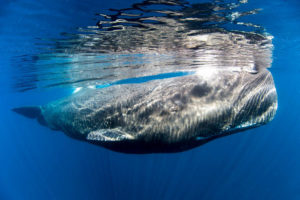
x,y
51,49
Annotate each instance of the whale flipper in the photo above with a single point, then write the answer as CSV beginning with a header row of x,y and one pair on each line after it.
x,y
32,112
108,135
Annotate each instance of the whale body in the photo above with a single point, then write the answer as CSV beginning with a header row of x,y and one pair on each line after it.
x,y
169,115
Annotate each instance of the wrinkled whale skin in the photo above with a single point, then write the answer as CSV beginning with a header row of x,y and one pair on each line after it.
x,y
169,115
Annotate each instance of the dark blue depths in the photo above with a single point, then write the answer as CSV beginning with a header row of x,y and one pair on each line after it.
x,y
37,163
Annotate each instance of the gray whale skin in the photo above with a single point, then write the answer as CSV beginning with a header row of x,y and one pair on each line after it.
x,y
169,115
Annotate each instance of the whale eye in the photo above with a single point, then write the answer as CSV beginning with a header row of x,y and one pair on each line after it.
x,y
200,90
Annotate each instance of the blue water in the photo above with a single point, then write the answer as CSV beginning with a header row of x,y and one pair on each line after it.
x,y
37,163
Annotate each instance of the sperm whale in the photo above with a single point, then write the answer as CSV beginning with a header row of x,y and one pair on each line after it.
x,y
172,115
